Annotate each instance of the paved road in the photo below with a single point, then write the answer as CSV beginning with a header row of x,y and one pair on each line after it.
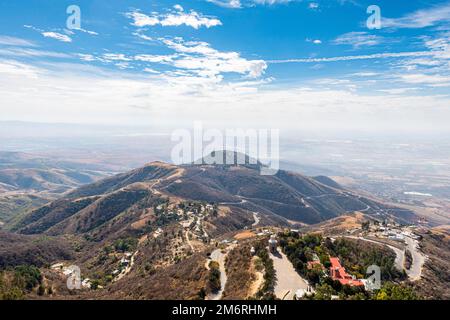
x,y
399,254
415,272
231,203
218,256
256,218
288,280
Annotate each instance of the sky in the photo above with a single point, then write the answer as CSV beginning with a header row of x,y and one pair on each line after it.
x,y
299,64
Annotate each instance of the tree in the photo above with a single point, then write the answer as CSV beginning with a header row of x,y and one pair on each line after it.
x,y
13,293
324,292
214,284
391,291
27,277
202,294
95,284
365,225
41,290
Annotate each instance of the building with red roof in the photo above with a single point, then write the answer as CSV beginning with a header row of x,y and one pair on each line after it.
x,y
338,273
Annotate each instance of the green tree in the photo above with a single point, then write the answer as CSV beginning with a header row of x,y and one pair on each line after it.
x,y
214,284
324,292
41,290
391,291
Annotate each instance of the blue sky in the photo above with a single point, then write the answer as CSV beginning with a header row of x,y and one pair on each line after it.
x,y
313,64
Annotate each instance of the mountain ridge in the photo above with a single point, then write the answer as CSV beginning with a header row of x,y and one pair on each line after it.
x,y
284,197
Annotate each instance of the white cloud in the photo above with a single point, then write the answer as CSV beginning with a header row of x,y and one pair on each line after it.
x,y
440,45
69,94
431,71
315,41
194,59
115,57
93,33
123,65
52,34
143,36
86,57
57,36
15,68
358,39
178,7
174,18
142,20
313,5
237,4
358,57
155,58
271,2
420,78
150,70
365,74
421,18
28,52
206,61
13,41
233,4
397,91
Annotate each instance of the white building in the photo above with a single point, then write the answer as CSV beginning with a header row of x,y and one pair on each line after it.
x,y
273,243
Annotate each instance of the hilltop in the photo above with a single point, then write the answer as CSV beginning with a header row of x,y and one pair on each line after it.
x,y
282,198
137,233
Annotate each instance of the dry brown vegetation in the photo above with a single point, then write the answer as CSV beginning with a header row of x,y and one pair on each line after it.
x,y
32,250
182,281
436,274
244,235
240,278
339,224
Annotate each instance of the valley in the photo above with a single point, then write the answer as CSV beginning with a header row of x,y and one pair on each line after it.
x,y
148,232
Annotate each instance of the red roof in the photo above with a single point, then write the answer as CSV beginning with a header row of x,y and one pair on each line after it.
x,y
353,282
338,273
335,263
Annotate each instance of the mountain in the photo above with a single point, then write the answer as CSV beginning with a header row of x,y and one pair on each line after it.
x,y
29,181
25,172
328,182
37,250
280,198
151,233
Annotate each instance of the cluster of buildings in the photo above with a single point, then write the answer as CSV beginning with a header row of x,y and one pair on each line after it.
x,y
73,273
338,273
193,215
185,208
124,263
393,232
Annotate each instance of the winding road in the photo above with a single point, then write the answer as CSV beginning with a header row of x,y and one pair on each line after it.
x,y
256,218
218,256
415,272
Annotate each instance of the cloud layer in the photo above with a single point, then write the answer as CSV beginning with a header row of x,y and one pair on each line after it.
x,y
174,18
